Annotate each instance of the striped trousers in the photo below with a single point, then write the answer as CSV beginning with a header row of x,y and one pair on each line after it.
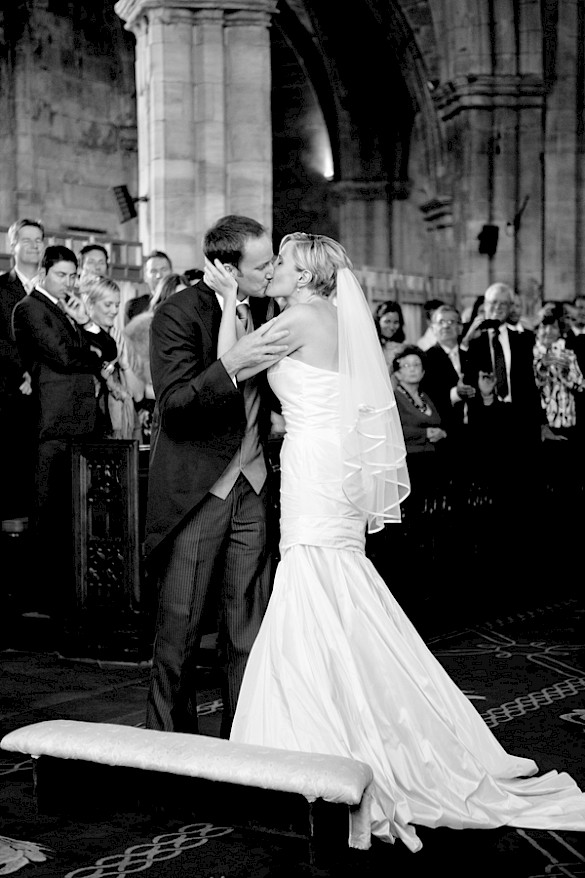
x,y
219,557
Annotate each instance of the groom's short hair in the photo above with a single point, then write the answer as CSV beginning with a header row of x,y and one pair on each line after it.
x,y
226,240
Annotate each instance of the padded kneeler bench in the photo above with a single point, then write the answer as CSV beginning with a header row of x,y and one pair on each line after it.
x,y
315,776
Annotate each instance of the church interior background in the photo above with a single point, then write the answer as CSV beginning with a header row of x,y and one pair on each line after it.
x,y
441,141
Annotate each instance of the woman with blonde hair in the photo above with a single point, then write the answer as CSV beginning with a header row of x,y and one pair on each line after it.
x,y
101,297
337,667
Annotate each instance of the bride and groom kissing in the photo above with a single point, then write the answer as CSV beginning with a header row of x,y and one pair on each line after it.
x,y
323,660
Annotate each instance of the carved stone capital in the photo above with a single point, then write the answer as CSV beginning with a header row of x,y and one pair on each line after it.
x,y
486,92
133,12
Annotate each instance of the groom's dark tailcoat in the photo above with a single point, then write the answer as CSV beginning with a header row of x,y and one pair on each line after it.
x,y
198,428
58,356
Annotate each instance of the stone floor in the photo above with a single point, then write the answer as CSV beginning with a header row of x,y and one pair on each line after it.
x,y
524,672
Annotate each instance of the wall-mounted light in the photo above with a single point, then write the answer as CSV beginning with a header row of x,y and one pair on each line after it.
x,y
125,203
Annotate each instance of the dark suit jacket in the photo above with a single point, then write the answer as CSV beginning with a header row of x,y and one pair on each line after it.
x,y
62,366
440,376
527,414
11,368
200,417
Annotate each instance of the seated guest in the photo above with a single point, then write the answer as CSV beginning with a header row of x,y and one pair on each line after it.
x,y
389,322
421,422
101,297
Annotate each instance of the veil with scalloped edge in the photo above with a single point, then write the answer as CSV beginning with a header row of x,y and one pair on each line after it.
x,y
375,476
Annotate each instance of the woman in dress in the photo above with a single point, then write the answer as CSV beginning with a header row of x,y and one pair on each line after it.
x,y
421,423
101,297
557,372
337,667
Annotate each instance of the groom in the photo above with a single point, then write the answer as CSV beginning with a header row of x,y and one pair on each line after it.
x,y
207,492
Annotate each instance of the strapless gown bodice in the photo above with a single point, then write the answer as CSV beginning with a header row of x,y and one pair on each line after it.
x,y
314,510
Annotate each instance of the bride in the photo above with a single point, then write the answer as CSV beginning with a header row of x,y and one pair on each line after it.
x,y
337,667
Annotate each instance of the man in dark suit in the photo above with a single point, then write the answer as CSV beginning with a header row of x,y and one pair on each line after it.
x,y
64,353
207,494
443,379
506,354
25,237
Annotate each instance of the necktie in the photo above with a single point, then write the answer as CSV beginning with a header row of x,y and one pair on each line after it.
x,y
500,366
243,312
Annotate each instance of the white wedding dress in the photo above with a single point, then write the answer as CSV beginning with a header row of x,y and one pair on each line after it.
x,y
338,668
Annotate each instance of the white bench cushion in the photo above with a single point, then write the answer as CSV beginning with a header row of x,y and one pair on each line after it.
x,y
313,775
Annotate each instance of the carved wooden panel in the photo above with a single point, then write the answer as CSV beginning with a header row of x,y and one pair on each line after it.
x,y
106,538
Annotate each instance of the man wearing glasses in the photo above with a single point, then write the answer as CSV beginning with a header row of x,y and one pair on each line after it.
x,y
443,379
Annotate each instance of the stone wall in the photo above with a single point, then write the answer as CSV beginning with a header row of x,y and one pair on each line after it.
x,y
68,117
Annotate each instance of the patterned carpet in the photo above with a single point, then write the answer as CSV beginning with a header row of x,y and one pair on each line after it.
x,y
525,673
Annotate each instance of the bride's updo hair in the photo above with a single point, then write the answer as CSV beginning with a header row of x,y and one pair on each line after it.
x,y
321,256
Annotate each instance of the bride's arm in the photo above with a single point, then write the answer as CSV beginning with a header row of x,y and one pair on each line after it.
x,y
219,279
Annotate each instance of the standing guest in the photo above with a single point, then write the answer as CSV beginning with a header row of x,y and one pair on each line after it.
x,y
557,372
168,285
117,387
63,352
443,379
389,321
93,260
470,328
206,528
137,335
26,240
157,266
579,321
508,355
428,338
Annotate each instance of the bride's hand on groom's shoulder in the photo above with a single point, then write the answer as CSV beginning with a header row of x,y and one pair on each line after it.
x,y
218,276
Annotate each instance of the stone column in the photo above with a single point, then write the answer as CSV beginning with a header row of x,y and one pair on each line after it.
x,y
495,123
204,124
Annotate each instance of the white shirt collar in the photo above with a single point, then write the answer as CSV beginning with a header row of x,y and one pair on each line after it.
x,y
27,282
